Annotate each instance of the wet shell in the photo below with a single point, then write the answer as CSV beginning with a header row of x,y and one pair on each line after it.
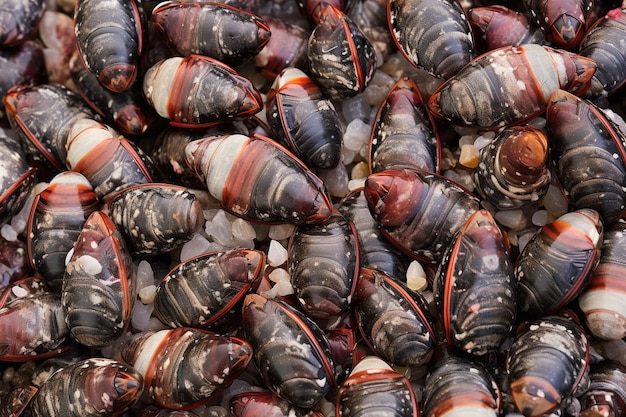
x,y
110,162
588,152
557,262
546,363
287,47
257,179
207,290
341,58
110,40
433,35
513,169
14,263
57,217
565,22
403,135
475,288
323,265
23,65
89,388
603,301
394,320
303,120
154,218
375,251
15,402
17,178
32,327
196,91
99,285
290,351
606,395
509,85
374,388
42,117
420,213
226,33
267,404
19,20
459,386
184,368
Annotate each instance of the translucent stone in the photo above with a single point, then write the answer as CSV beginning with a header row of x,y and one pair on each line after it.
x,y
355,108
8,232
280,231
540,217
141,315
147,294
416,277
360,171
219,228
196,246
243,230
357,135
513,219
469,156
335,180
555,202
282,282
145,274
276,254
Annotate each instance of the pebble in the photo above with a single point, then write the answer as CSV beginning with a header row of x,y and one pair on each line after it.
x,y
276,254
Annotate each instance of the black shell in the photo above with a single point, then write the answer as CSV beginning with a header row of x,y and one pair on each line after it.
x,y
565,22
267,404
606,394
19,20
17,178
22,65
433,35
557,262
290,351
547,362
475,288
208,290
394,320
99,285
588,151
324,265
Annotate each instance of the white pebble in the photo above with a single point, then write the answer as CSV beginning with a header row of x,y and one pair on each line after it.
x,y
513,219
243,230
540,217
219,229
141,315
280,231
615,350
145,274
8,233
483,140
147,294
196,246
356,183
282,282
416,277
355,108
357,135
276,254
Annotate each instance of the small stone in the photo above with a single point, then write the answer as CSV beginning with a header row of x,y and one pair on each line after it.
x,y
513,219
360,171
141,315
540,217
280,231
219,228
555,202
276,254
416,277
147,294
469,156
145,274
357,135
336,180
8,233
196,246
243,230
282,282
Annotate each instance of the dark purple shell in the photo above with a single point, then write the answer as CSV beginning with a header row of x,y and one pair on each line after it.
x,y
290,351
433,35
606,395
226,33
208,290
341,58
547,362
267,404
459,386
99,285
420,213
324,265
17,178
18,20
110,40
287,47
14,262
57,217
89,388
394,320
22,65
475,288
557,262
403,134
565,22
588,152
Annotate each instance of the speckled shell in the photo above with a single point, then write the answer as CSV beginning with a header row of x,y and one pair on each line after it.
x,y
546,363
257,179
22,65
603,43
375,251
557,262
588,151
324,265
394,320
267,404
14,263
509,85
42,116
19,20
17,178
57,217
461,387
420,213
565,22
287,47
32,327
475,288
603,301
197,91
606,395
341,59
513,170
89,388
154,218
184,368
433,35
208,290
290,351
403,134
127,111
15,402
110,162
30,285
110,40
302,120
99,285
208,28
497,26
373,388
